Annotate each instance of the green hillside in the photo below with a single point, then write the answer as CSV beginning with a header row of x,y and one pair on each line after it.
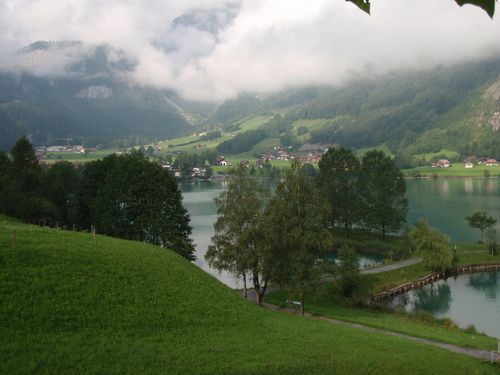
x,y
451,108
88,100
132,308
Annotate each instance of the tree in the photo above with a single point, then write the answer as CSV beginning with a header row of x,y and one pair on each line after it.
x,y
211,156
24,156
382,190
480,221
133,198
337,180
61,182
348,269
236,245
296,232
208,172
487,5
491,238
432,244
302,130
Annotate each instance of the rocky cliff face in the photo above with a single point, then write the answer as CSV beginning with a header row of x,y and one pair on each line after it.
x,y
493,95
95,92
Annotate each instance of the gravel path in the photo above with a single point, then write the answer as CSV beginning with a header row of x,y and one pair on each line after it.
x,y
472,352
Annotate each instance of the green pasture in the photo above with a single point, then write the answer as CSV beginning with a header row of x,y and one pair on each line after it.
x,y
360,152
457,170
76,157
125,307
449,154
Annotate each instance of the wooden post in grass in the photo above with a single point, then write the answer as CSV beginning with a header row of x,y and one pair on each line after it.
x,y
95,240
15,240
64,241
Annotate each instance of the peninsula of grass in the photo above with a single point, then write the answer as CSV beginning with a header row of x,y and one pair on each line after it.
x,y
132,308
418,324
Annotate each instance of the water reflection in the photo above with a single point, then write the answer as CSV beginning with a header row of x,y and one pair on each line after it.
x,y
446,203
443,188
366,260
466,299
486,283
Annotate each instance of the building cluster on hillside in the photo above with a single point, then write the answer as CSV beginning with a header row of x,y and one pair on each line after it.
x,y
278,153
76,149
468,163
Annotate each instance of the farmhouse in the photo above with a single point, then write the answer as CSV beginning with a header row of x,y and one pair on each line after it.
x,y
441,163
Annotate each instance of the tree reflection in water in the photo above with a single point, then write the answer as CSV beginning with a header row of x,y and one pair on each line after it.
x,y
484,282
434,298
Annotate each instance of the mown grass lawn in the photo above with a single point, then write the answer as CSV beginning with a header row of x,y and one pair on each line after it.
x,y
133,308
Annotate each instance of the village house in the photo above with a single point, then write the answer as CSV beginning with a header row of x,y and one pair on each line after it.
x,y
441,163
492,163
469,164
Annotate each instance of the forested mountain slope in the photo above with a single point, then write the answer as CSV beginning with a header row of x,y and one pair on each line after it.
x,y
415,112
87,98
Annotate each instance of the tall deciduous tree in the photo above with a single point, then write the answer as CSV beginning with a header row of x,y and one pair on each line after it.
x,y
432,244
236,246
480,221
133,198
382,189
337,181
297,235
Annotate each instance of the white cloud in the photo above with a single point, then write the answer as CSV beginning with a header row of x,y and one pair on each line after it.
x,y
271,44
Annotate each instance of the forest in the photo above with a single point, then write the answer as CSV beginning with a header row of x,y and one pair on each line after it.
x,y
126,196
413,112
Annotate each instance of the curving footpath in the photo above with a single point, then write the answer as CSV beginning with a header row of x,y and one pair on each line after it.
x,y
471,352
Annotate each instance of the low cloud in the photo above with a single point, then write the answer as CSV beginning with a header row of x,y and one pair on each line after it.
x,y
212,50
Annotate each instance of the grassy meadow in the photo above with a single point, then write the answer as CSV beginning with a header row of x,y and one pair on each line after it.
x,y
133,308
418,324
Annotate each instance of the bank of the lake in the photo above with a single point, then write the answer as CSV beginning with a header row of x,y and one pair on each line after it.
x,y
444,202
415,324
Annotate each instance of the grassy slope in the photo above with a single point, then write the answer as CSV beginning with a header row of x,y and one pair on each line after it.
x,y
136,308
322,304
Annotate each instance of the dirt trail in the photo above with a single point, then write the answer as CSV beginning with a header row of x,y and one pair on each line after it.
x,y
472,352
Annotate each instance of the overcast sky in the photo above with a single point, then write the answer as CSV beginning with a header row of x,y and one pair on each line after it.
x,y
268,45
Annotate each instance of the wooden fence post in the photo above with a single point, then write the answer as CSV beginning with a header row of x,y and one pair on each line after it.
x,y
64,241
95,241
15,240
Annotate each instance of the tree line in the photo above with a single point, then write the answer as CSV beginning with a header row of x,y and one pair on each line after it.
x,y
126,196
283,238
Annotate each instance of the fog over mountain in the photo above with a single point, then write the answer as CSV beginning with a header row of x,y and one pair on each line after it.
x,y
211,50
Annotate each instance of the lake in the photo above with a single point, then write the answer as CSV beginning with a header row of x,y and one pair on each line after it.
x,y
444,202
466,299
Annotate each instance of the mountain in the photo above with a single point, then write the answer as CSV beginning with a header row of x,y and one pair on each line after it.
x,y
71,90
454,108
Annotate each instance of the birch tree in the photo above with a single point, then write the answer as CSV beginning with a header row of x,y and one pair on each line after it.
x,y
237,243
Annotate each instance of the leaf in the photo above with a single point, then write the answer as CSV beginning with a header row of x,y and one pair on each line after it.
x,y
363,4
487,5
